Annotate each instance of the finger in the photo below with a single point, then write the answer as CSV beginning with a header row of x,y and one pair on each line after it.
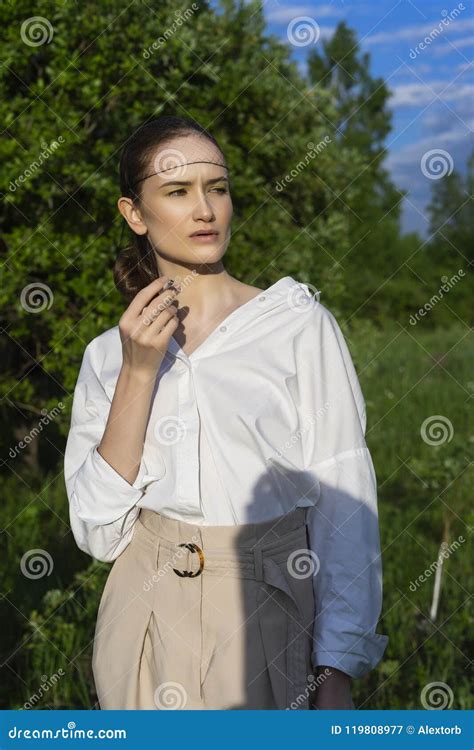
x,y
160,303
168,329
160,315
145,295
160,323
163,298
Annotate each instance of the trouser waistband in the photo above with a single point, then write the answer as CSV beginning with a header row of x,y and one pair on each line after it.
x,y
239,548
241,535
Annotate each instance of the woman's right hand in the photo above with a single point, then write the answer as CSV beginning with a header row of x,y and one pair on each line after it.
x,y
147,325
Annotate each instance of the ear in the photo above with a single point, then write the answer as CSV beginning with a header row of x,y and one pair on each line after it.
x,y
132,215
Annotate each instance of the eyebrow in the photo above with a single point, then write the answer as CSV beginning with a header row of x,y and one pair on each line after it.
x,y
187,182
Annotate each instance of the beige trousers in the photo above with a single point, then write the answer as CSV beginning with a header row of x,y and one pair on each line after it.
x,y
207,617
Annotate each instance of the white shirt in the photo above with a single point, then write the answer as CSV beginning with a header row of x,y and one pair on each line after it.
x,y
265,415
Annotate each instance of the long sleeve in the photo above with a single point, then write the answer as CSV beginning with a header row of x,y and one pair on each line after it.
x,y
343,525
102,504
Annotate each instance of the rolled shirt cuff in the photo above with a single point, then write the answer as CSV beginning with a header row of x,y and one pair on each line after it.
x,y
101,495
358,658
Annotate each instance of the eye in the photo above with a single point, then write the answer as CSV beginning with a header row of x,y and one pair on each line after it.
x,y
182,190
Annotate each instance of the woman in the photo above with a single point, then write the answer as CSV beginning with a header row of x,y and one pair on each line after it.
x,y
217,455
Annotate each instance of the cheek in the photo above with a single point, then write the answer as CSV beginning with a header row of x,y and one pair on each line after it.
x,y
165,215
226,210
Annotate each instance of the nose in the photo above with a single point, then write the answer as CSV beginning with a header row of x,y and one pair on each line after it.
x,y
203,208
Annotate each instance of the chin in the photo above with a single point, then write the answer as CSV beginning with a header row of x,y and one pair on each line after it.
x,y
209,253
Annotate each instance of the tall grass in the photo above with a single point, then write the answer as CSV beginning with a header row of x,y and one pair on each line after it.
x,y
408,376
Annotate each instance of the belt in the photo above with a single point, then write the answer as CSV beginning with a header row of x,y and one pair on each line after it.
x,y
287,662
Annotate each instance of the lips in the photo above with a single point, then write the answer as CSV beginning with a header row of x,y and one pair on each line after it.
x,y
204,233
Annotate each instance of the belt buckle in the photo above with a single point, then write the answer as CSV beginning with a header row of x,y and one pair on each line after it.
x,y
189,573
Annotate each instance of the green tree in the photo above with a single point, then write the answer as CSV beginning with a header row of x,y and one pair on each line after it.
x,y
362,123
452,218
71,92
76,98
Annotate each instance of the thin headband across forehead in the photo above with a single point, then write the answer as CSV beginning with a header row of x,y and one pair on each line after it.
x,y
184,164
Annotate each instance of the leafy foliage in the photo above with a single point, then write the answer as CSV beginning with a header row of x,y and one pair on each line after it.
x,y
67,106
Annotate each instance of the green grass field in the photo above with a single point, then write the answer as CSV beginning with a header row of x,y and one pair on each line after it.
x,y
425,494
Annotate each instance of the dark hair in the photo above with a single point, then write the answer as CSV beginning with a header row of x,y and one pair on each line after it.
x,y
136,265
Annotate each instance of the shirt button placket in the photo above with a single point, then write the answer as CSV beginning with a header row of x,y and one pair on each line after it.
x,y
188,447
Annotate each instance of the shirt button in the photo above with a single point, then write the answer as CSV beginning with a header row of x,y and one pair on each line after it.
x,y
262,297
223,329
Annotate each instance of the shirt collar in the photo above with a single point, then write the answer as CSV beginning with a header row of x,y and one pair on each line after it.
x,y
279,293
285,291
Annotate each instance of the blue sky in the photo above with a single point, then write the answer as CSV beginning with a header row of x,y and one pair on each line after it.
x,y
431,89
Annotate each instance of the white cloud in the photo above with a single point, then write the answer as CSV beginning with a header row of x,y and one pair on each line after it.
x,y
439,118
447,49
410,155
420,94
286,14
405,169
463,66
325,32
417,33
421,69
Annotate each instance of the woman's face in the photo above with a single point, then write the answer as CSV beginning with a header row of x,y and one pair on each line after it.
x,y
170,213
